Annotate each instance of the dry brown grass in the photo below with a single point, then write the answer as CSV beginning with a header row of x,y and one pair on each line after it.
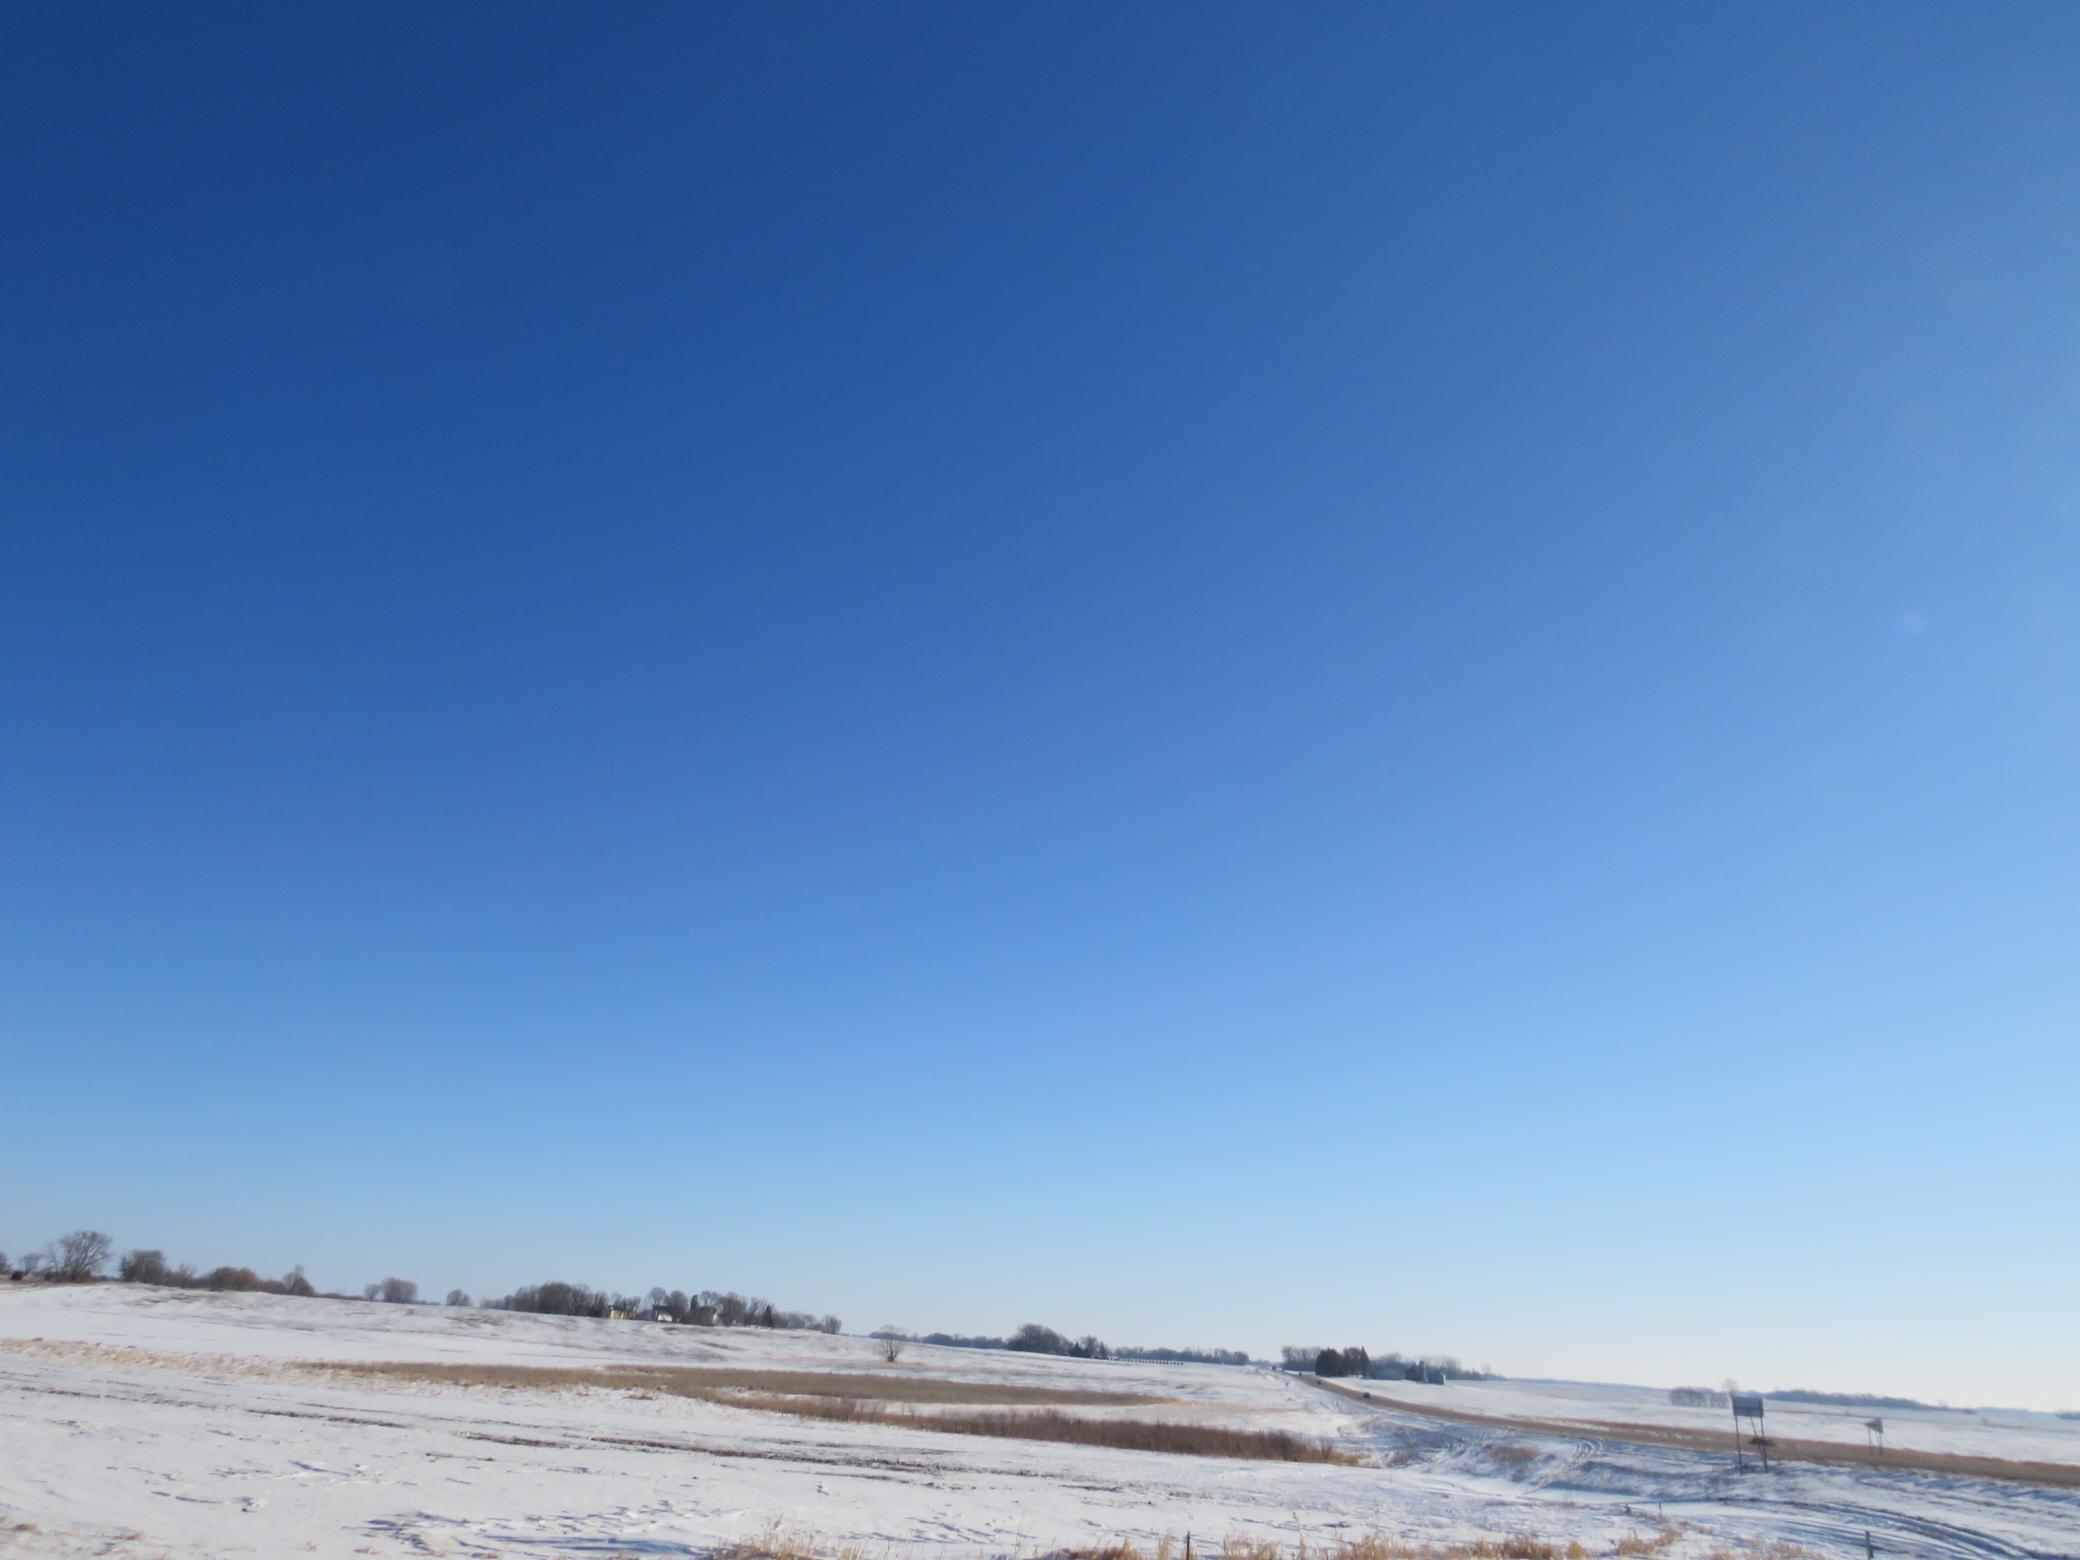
x,y
710,1382
916,1402
1639,1544
781,1542
1131,1435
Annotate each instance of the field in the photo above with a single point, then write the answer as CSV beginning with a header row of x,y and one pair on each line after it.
x,y
1992,1433
150,1422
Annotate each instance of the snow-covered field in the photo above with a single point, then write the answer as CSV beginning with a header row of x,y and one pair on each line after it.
x,y
2014,1434
146,1422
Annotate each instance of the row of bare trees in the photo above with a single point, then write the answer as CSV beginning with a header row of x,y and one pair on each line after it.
x,y
147,1266
701,1307
70,1259
1358,1361
83,1256
1029,1339
1185,1356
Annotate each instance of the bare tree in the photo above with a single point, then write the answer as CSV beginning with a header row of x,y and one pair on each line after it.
x,y
371,1291
4,1268
296,1283
400,1291
892,1341
458,1297
79,1256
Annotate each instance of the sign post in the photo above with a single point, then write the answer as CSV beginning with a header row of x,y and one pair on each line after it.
x,y
1748,1406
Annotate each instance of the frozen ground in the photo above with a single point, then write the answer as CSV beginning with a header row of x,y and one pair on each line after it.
x,y
147,1422
2014,1434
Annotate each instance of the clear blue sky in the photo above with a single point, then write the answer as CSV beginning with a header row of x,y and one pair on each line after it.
x,y
1386,674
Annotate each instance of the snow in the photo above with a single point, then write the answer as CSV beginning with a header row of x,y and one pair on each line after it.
x,y
2015,1434
197,1423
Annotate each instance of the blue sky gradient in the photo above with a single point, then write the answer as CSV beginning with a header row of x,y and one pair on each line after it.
x,y
1229,676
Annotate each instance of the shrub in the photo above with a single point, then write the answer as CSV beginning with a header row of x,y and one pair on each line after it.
x,y
142,1267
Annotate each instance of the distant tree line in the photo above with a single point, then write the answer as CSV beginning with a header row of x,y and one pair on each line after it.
x,y
1353,1361
83,1257
557,1299
1698,1397
1035,1339
1032,1338
1358,1361
1853,1400
702,1308
1184,1356
944,1340
1708,1397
